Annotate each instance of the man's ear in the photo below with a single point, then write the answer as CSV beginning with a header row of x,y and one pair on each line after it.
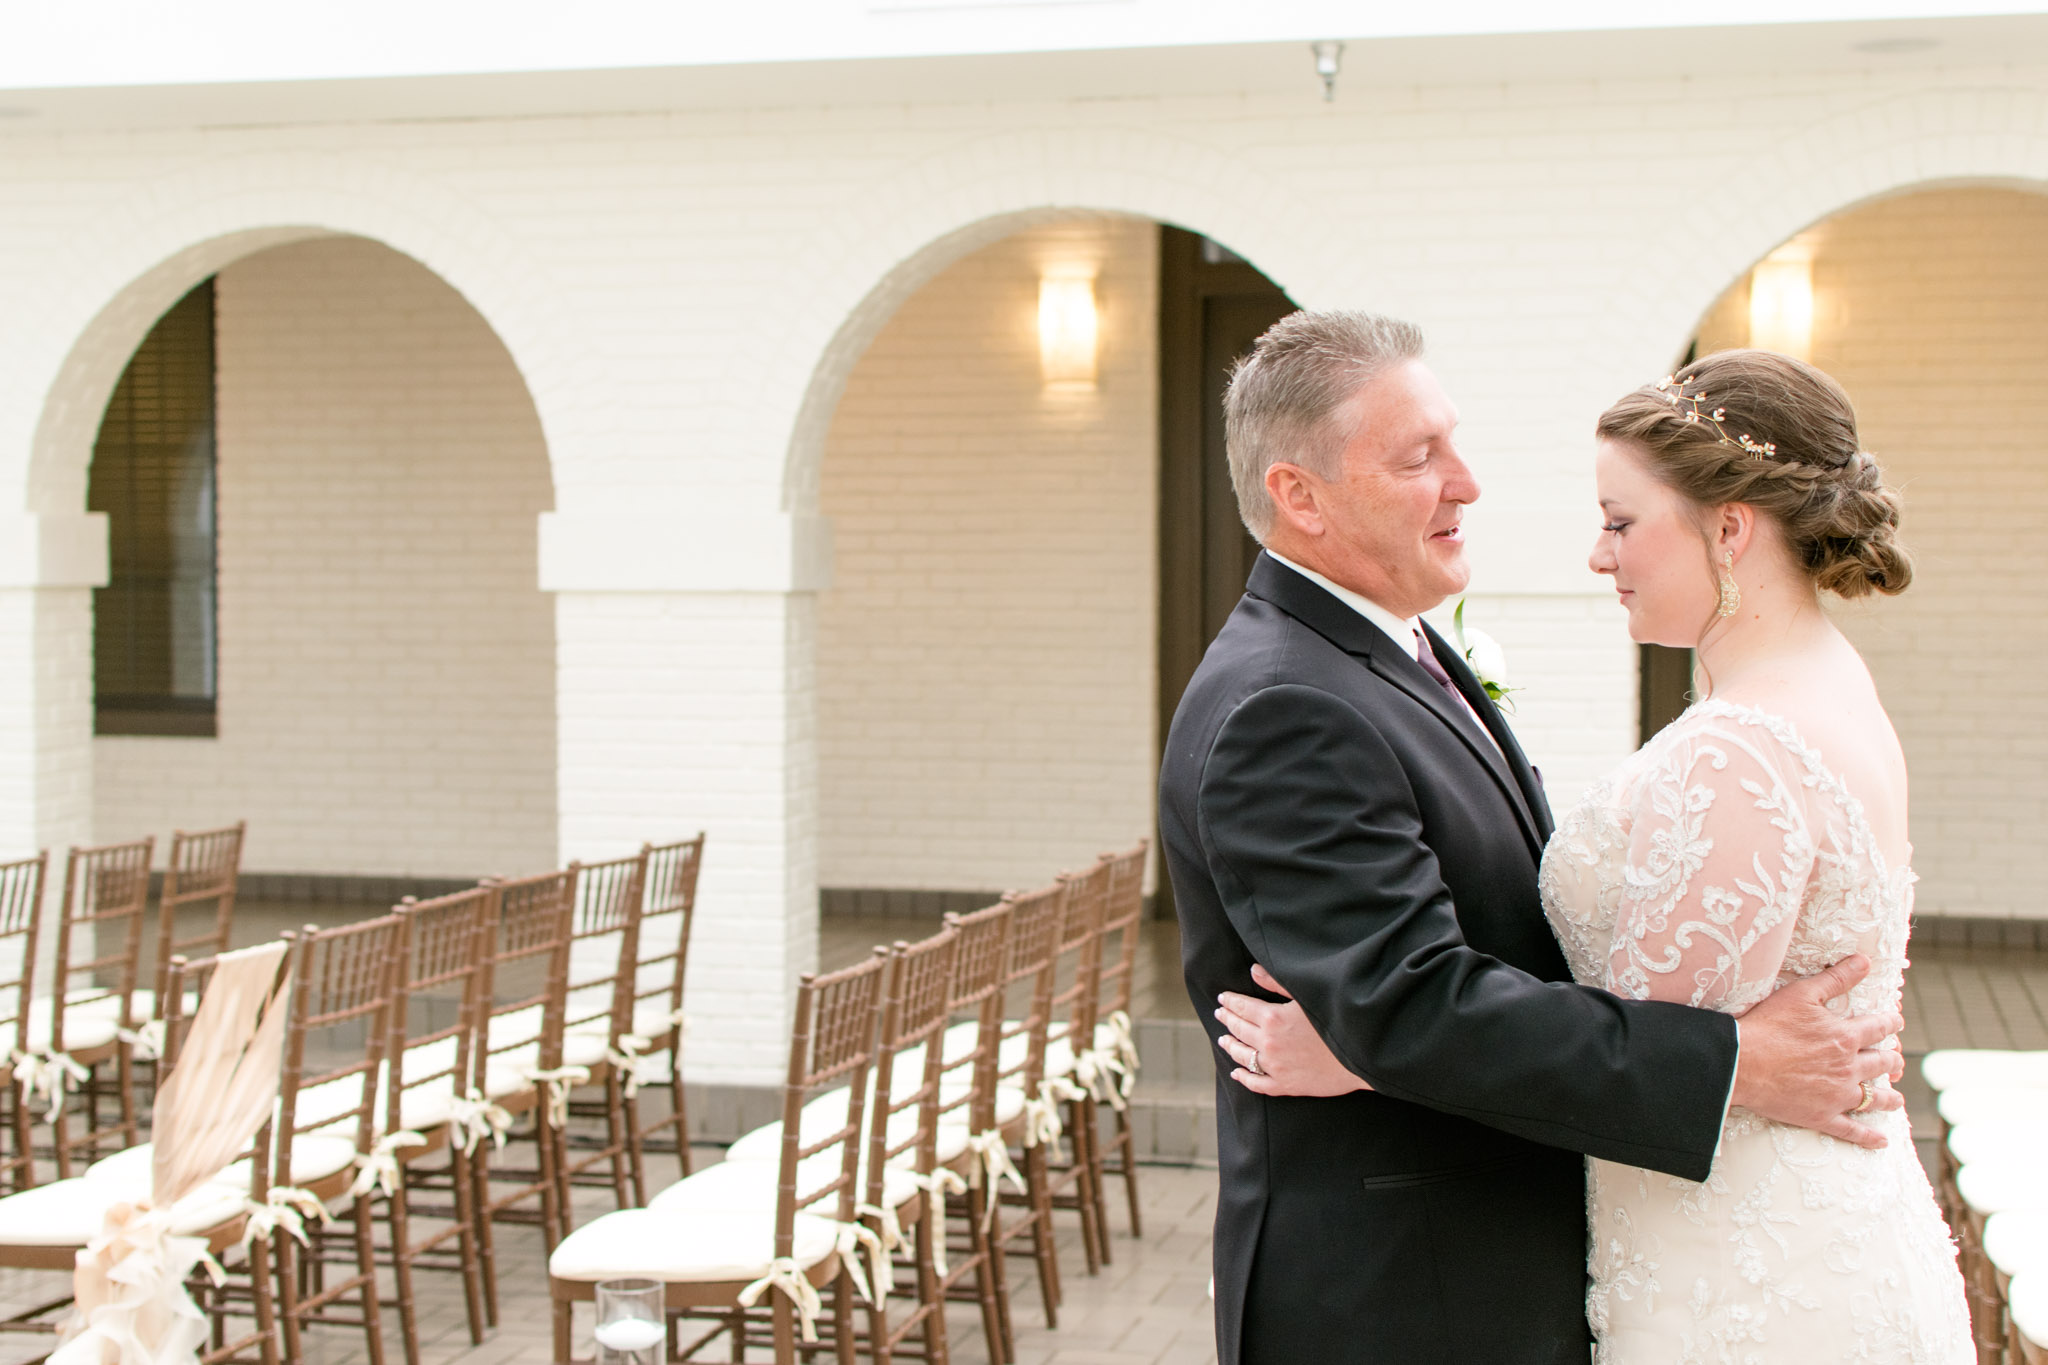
x,y
1296,496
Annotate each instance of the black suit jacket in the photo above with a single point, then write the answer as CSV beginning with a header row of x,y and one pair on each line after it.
x,y
1326,810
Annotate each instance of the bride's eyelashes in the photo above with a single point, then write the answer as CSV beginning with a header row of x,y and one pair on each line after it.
x,y
1617,527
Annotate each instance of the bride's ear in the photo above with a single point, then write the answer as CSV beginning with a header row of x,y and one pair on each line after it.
x,y
1733,528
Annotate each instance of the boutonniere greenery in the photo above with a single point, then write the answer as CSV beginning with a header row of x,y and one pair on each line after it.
x,y
1487,660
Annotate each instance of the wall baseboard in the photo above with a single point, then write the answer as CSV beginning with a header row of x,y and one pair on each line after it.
x,y
324,888
1976,931
876,902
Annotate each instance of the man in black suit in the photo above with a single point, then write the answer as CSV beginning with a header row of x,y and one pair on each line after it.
x,y
1341,803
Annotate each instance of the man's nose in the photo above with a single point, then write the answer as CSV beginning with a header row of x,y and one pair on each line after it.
x,y
1460,483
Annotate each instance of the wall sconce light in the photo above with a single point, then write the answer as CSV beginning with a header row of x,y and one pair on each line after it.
x,y
1066,331
1781,302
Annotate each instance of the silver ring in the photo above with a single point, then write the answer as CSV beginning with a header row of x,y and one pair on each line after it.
x,y
1258,1070
1869,1094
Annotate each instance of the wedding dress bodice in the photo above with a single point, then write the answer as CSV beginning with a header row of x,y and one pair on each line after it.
x,y
1719,862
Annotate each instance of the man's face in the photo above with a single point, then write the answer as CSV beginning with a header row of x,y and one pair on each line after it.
x,y
1391,519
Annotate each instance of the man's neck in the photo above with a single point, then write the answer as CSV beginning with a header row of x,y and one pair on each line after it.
x,y
1396,627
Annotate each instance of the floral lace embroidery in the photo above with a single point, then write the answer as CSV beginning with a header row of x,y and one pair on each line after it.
x,y
1721,861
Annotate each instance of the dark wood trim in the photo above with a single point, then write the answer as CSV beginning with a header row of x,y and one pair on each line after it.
x,y
1663,688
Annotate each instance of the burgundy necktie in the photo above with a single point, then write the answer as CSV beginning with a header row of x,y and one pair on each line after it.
x,y
1426,656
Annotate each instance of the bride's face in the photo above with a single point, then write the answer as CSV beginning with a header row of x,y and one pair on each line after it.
x,y
1649,544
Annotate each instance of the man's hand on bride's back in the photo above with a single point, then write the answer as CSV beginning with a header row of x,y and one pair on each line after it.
x,y
1277,1050
1803,1064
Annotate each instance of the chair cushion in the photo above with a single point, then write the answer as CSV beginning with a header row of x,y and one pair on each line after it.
x,y
709,1246
2005,1184
1949,1067
751,1185
1991,1139
2027,1298
2017,1242
72,1212
1985,1102
315,1157
85,1027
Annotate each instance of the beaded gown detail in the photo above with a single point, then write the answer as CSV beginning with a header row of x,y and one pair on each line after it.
x,y
1721,861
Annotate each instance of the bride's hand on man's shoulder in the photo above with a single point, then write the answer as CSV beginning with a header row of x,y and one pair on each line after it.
x,y
1277,1050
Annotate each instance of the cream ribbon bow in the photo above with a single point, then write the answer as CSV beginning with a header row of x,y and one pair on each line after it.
x,y
133,1308
853,1239
633,1063
558,1082
49,1074
938,1185
1123,1041
148,1041
994,1168
287,1207
475,1118
784,1274
1102,1071
1042,1121
380,1167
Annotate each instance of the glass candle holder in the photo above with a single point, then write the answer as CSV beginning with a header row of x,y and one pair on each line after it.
x,y
631,1324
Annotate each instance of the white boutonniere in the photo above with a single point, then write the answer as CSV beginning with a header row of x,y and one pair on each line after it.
x,y
1487,660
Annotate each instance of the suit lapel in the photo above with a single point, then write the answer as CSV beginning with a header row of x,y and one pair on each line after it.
x,y
1523,773
1352,633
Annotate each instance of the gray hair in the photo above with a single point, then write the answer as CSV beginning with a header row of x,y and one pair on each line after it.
x,y
1284,395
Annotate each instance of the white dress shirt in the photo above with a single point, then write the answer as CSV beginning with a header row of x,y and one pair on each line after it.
x,y
1395,628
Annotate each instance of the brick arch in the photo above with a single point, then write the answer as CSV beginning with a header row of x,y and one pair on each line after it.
x,y
1900,145
104,292
898,234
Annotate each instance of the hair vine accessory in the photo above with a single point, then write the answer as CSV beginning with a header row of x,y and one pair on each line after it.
x,y
1694,409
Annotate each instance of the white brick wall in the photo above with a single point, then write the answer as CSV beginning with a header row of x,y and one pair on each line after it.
x,y
987,651
386,657
687,294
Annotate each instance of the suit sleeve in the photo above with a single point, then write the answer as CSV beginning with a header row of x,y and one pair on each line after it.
x,y
1315,841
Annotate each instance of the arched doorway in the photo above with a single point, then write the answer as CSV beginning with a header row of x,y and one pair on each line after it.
x,y
1026,567
1930,306
382,657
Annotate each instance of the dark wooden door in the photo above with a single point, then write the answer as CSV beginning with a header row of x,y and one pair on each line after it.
x,y
1212,307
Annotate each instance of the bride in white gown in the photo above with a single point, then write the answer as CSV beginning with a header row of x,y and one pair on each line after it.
x,y
1758,838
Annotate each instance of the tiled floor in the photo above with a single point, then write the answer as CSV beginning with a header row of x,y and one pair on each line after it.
x,y
1149,1308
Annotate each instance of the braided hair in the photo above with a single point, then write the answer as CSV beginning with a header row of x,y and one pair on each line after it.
x,y
1798,461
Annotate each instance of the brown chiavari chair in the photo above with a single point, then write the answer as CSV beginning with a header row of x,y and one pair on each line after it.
x,y
183,981
598,1022
1116,1044
334,1055
903,1131
966,1107
49,1226
720,1264
21,905
668,905
1076,1009
435,1004
90,1010
203,871
1024,1106
517,1063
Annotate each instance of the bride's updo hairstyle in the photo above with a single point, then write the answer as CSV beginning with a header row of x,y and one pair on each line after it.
x,y
1764,429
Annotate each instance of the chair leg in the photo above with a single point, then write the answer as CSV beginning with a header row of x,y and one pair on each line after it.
x,y
624,1187
984,1237
930,1290
124,1071
564,1310
462,1178
264,1301
1038,1180
398,1222
1080,1114
486,1239
842,1319
366,1266
282,1248
678,1108
1127,1167
1095,1178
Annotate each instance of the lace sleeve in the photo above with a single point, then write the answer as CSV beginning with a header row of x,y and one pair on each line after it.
x,y
1720,852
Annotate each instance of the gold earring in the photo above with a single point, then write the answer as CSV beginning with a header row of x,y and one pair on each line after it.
x,y
1731,595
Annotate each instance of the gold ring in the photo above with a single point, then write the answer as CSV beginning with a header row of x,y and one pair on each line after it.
x,y
1869,1095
